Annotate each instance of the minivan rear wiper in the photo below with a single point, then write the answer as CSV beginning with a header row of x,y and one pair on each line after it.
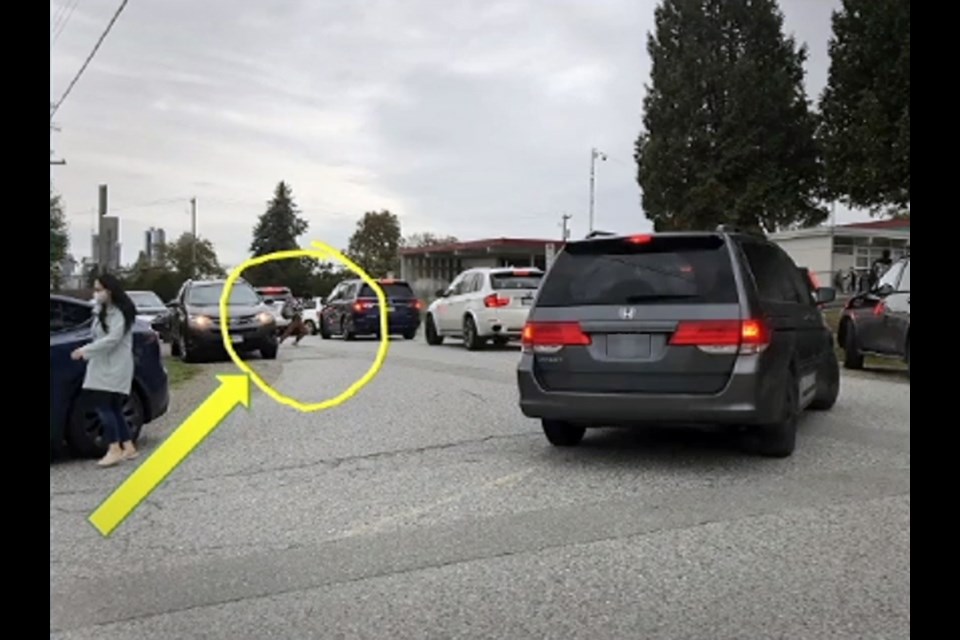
x,y
658,296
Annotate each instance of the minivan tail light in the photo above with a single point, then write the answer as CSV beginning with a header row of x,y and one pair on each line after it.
x,y
550,337
493,300
644,238
723,336
360,307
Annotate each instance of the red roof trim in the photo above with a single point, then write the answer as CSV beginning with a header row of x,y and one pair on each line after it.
x,y
489,243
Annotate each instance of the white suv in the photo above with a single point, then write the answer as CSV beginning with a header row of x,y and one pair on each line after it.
x,y
483,304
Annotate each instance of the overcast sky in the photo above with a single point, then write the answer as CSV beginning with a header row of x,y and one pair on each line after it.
x,y
467,118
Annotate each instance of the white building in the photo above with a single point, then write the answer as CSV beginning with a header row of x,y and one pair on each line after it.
x,y
827,250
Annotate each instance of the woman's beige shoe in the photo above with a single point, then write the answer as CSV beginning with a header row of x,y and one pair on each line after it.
x,y
113,457
130,453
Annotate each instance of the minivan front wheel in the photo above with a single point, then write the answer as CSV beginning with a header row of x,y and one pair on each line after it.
x,y
562,434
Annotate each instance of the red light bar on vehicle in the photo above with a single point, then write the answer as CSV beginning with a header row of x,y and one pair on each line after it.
x,y
645,238
723,336
522,272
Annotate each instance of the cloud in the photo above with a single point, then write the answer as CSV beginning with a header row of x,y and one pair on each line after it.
x,y
468,118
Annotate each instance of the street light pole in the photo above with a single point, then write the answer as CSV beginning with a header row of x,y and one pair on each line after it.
x,y
193,233
594,156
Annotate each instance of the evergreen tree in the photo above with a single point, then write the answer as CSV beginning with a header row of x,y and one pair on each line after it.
x,y
278,229
865,130
59,240
728,136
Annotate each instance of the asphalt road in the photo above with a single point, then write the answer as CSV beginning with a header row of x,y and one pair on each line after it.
x,y
428,507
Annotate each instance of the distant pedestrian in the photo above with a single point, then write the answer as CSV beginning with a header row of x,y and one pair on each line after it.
x,y
879,267
109,377
293,311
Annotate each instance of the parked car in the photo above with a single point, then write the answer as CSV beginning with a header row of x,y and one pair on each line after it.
x,y
311,314
677,328
877,322
148,304
74,426
352,310
483,305
194,321
275,298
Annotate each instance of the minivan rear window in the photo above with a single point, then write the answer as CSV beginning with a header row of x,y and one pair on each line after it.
x,y
515,280
659,270
393,290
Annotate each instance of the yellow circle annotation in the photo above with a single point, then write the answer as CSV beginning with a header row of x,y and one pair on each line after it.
x,y
321,251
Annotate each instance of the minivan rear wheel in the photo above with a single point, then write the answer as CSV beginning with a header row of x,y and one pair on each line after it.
x,y
852,356
562,434
778,440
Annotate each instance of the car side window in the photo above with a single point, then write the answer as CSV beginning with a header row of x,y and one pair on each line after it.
x,y
458,285
775,275
892,276
904,285
794,277
472,284
65,316
56,316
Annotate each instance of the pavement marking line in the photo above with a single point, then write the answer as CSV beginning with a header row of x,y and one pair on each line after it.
x,y
321,251
378,526
233,390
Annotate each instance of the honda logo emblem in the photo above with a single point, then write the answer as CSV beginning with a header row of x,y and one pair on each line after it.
x,y
627,313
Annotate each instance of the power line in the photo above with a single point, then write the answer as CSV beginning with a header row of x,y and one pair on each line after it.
x,y
62,24
86,62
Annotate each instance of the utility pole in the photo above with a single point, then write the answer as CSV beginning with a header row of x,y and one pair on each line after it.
x,y
55,127
563,223
193,233
594,156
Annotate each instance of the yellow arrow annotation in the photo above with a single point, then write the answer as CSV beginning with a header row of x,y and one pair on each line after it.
x,y
233,390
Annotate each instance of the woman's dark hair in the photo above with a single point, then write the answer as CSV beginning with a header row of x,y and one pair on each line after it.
x,y
119,299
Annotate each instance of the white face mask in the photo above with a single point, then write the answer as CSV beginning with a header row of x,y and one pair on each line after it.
x,y
100,297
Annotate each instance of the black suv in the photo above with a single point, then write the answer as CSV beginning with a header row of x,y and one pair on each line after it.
x,y
194,320
677,328
878,322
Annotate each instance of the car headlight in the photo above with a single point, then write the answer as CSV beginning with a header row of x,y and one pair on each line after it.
x,y
265,318
201,322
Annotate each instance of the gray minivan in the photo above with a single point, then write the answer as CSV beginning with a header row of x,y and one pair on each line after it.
x,y
677,328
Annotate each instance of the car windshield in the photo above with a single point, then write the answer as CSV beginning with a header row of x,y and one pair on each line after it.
x,y
209,295
145,299
673,270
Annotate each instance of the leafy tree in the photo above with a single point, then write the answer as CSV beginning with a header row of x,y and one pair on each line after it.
x,y
178,257
865,128
59,240
728,137
427,239
375,245
278,229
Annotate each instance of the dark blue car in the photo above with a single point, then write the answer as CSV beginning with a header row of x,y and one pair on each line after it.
x,y
73,425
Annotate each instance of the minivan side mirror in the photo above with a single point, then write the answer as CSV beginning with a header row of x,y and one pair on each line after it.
x,y
884,290
441,293
826,295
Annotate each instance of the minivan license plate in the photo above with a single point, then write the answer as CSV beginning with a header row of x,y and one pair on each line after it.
x,y
628,345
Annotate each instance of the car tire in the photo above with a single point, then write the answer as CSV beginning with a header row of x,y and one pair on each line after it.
x,y
311,328
430,334
269,353
906,356
324,332
562,434
852,356
779,440
186,353
410,335
828,384
174,347
85,429
346,331
471,340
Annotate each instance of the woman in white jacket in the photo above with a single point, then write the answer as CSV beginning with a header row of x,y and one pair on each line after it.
x,y
109,377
